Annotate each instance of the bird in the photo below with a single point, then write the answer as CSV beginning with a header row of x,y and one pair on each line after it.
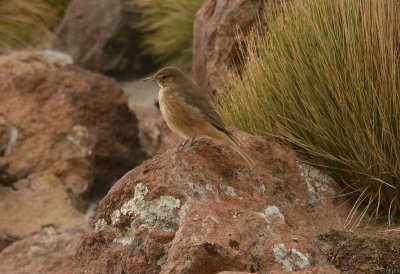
x,y
188,112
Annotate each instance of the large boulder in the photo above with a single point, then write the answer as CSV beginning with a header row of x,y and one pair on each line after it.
x,y
63,120
65,135
205,211
214,43
98,36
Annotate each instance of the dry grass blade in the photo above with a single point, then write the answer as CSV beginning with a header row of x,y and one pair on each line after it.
x,y
325,79
168,27
26,23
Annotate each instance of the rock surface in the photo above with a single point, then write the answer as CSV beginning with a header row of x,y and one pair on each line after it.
x,y
35,203
205,211
65,134
214,43
97,35
62,120
375,250
311,270
47,251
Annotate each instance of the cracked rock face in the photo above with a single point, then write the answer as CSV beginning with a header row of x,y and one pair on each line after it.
x,y
204,211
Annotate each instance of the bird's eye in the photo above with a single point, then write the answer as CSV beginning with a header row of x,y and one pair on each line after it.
x,y
164,77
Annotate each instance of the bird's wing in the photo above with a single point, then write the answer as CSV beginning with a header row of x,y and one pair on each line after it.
x,y
200,101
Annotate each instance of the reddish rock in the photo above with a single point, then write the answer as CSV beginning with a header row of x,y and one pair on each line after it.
x,y
35,202
97,35
48,251
311,270
65,121
64,134
214,43
205,211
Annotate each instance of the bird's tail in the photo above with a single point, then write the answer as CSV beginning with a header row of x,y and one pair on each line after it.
x,y
229,140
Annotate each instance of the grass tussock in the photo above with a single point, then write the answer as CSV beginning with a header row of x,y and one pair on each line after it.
x,y
25,23
168,28
325,79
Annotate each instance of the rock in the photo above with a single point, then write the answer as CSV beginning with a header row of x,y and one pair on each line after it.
x,y
65,121
56,56
35,203
48,251
65,134
205,211
311,270
214,43
373,250
6,240
96,33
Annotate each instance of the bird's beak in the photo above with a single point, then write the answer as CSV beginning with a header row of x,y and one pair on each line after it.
x,y
149,79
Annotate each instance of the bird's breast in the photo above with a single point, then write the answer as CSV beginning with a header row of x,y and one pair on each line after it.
x,y
181,117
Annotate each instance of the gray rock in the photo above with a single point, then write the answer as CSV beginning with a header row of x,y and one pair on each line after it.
x,y
97,35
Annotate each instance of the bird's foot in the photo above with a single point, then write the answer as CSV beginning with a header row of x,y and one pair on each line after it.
x,y
183,145
187,144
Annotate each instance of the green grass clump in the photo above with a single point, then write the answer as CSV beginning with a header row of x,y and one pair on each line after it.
x,y
168,28
325,79
59,6
26,23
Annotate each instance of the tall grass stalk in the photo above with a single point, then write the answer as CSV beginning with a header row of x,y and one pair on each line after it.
x,y
324,78
25,23
168,28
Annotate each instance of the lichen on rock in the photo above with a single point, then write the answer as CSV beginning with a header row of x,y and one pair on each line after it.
x,y
290,258
155,213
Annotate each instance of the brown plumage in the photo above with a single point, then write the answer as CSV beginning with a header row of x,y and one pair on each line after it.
x,y
188,112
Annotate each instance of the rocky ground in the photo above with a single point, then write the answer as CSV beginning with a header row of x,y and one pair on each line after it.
x,y
68,134
92,180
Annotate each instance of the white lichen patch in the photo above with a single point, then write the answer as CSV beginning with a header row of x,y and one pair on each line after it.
x,y
156,213
272,211
124,240
115,216
137,202
101,224
161,213
228,190
316,180
290,258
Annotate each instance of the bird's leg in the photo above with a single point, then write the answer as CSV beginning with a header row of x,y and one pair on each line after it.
x,y
183,145
190,143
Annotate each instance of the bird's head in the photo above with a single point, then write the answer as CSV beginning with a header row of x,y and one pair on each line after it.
x,y
168,76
